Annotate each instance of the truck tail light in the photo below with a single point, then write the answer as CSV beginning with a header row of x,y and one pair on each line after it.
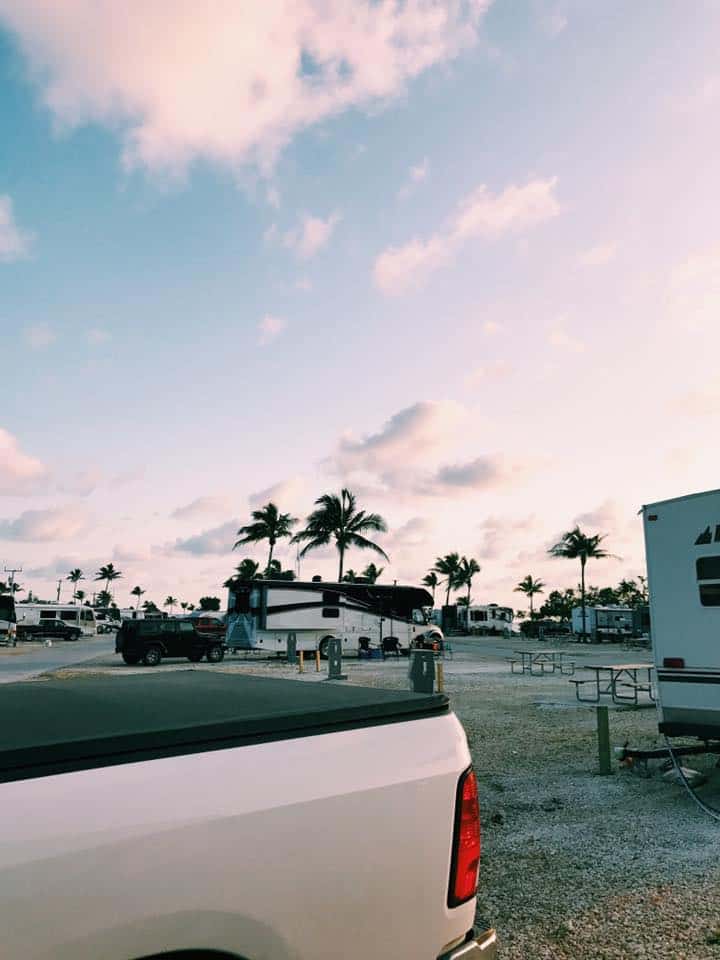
x,y
466,842
676,663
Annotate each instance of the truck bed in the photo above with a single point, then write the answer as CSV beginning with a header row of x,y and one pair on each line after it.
x,y
59,726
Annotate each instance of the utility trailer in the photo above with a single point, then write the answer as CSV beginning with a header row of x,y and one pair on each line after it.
x,y
682,544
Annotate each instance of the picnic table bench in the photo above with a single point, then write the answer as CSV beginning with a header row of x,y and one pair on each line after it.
x,y
539,662
609,677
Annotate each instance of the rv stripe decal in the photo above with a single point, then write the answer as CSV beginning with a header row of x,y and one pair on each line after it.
x,y
687,677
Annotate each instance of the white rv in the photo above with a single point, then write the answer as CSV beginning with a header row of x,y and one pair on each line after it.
x,y
484,619
8,618
74,615
261,614
604,623
682,543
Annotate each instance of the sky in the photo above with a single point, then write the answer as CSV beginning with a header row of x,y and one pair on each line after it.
x,y
460,256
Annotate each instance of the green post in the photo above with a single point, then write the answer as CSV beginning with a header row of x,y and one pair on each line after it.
x,y
603,729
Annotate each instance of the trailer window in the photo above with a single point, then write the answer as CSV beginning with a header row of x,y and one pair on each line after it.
x,y
708,568
710,594
70,615
331,613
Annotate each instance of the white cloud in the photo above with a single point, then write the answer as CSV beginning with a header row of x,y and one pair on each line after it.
x,y
269,329
311,236
416,174
406,438
202,507
481,214
14,243
598,255
41,526
488,373
97,335
231,83
693,295
20,473
502,533
83,483
559,337
483,473
413,533
217,540
287,494
40,335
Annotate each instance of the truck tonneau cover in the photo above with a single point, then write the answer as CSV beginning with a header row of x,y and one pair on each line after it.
x,y
56,726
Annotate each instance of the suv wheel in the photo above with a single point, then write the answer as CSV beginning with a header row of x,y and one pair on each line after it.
x,y
215,653
195,656
131,659
153,656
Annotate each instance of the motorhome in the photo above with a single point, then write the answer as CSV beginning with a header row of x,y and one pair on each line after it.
x,y
8,618
261,614
682,545
487,619
36,614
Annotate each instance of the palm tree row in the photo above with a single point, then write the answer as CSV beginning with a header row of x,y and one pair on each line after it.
x,y
457,572
336,520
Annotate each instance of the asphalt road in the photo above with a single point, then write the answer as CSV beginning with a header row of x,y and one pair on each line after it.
x,y
29,660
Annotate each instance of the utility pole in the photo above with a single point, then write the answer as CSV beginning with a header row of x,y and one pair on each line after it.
x,y
58,591
12,571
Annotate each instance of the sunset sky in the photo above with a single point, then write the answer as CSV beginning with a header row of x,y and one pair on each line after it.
x,y
461,256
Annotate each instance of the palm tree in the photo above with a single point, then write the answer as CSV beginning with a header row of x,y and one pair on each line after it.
x,y
268,524
137,592
16,588
372,573
79,595
108,573
184,606
75,576
170,602
337,518
466,572
431,580
351,577
449,567
530,587
103,599
149,606
577,545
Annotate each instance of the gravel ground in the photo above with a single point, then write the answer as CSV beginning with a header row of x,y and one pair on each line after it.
x,y
574,865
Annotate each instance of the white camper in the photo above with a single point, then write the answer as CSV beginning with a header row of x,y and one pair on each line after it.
x,y
682,543
489,618
73,614
612,622
261,614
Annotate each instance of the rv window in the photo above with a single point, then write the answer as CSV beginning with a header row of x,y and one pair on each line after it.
x,y
477,615
710,594
331,613
68,615
708,568
47,614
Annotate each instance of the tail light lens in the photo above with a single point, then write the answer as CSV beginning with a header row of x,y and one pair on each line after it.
x,y
466,842
676,663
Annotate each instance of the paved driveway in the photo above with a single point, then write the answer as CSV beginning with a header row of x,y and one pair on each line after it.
x,y
31,659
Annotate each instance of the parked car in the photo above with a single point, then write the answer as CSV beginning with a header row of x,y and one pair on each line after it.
x,y
48,630
109,626
236,816
209,626
151,640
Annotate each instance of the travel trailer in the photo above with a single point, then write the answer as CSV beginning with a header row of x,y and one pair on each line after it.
x,y
611,622
261,614
484,619
74,615
682,545
7,618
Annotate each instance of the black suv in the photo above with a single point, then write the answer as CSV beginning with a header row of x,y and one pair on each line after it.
x,y
48,630
151,640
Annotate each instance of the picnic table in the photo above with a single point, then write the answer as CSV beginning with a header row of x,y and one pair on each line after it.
x,y
622,682
540,662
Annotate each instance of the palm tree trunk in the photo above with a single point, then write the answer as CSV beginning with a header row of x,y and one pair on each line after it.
x,y
272,544
531,605
447,595
582,594
342,560
469,586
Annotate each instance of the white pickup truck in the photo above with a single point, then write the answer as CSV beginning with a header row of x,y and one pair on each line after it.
x,y
224,817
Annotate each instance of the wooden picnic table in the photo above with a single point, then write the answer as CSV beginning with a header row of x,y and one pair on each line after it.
x,y
541,661
609,677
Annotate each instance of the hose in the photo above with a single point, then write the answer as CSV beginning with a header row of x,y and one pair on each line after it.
x,y
712,812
